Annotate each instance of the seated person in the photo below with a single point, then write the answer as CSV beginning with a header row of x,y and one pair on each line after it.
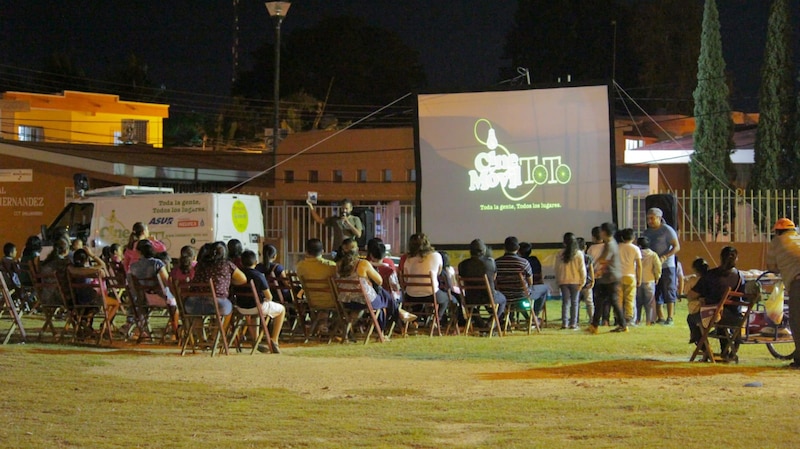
x,y
351,266
700,268
509,266
422,259
713,285
90,296
146,267
247,307
273,271
477,265
539,290
213,264
314,266
56,263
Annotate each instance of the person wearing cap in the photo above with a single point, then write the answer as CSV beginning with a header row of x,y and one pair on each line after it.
x,y
664,241
783,256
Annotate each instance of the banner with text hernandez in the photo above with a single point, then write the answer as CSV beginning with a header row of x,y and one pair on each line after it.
x,y
532,163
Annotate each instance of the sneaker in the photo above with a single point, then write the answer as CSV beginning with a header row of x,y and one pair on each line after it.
x,y
660,321
620,329
276,349
668,322
575,327
406,316
564,327
263,348
592,329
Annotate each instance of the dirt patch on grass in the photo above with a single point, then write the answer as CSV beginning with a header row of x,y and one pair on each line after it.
x,y
65,351
626,369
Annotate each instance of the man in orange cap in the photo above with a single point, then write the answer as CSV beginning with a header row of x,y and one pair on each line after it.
x,y
783,256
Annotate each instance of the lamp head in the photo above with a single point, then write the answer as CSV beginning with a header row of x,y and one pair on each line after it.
x,y
278,9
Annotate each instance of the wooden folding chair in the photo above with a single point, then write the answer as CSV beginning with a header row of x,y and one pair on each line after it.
x,y
240,321
479,285
149,295
428,308
301,313
52,302
730,333
355,286
9,309
90,299
513,283
193,323
321,300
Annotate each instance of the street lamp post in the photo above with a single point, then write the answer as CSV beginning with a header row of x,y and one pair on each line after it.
x,y
278,10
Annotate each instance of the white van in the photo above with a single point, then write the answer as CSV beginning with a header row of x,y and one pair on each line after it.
x,y
106,216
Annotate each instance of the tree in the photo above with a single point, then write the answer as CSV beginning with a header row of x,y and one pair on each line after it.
x,y
343,59
713,135
775,102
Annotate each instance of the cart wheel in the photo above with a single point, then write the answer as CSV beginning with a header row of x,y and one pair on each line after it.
x,y
786,353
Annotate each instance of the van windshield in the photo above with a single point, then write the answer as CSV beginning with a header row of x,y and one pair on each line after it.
x,y
76,219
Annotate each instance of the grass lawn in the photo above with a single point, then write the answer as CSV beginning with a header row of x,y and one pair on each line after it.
x,y
555,389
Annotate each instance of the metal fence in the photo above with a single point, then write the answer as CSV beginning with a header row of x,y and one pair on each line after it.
x,y
289,226
717,216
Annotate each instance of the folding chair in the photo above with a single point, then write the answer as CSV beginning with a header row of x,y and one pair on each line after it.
x,y
479,285
429,308
192,322
12,310
727,332
240,322
355,286
453,306
150,295
321,300
509,285
51,303
90,297
301,313
538,279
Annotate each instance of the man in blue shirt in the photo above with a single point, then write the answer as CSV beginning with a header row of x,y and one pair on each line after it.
x,y
664,241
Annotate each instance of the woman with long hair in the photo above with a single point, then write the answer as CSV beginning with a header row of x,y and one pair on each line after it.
x,y
570,271
352,266
184,270
139,232
422,258
215,265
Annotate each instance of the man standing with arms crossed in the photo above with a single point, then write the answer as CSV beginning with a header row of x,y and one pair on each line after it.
x,y
664,241
783,256
344,226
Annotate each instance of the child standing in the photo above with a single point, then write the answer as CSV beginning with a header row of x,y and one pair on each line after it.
x,y
651,273
631,264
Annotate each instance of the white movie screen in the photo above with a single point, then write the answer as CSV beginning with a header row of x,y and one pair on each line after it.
x,y
534,164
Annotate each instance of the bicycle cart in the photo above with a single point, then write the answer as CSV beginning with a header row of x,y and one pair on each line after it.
x,y
740,318
759,329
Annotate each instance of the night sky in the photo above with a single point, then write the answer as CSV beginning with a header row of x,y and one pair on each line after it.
x,y
187,43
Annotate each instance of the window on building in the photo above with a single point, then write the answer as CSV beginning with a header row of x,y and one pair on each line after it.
x,y
134,131
288,176
362,175
632,144
313,176
337,176
31,133
386,175
411,174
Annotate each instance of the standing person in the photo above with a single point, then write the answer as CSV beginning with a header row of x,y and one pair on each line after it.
x,y
343,226
630,257
570,271
139,232
607,279
664,241
586,290
783,256
594,250
651,273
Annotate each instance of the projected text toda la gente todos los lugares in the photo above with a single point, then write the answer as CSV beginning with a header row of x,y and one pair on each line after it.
x,y
507,171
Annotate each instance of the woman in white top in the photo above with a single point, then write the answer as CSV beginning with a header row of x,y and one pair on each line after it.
x,y
570,275
423,259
